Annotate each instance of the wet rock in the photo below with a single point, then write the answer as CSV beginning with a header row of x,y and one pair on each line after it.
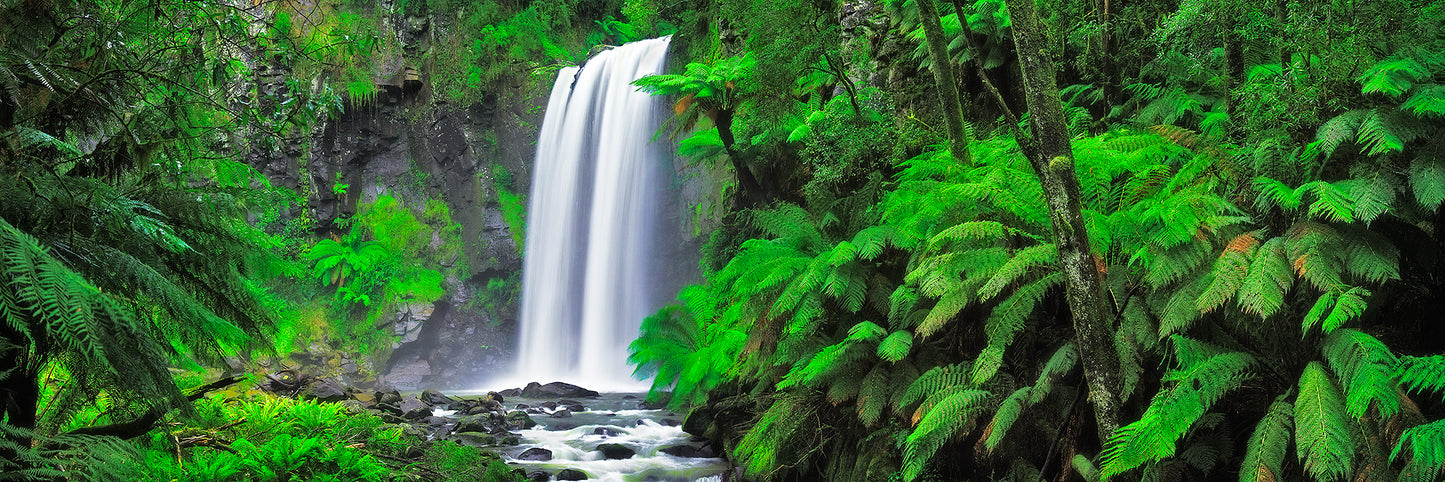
x,y
646,405
616,451
494,397
667,422
548,405
561,413
565,402
562,427
697,422
474,423
511,392
606,431
557,390
691,452
327,390
519,421
436,399
572,474
535,454
437,421
576,408
509,440
475,439
523,406
366,399
538,476
412,408
388,396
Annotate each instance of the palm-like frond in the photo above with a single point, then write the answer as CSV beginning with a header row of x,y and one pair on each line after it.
x,y
1323,439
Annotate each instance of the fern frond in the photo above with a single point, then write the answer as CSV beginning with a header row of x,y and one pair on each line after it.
x,y
1363,365
1427,448
1229,273
1428,102
1427,180
1007,319
874,393
1392,77
896,346
1336,131
1264,456
1270,276
1199,382
950,417
932,381
1324,442
1418,373
1017,266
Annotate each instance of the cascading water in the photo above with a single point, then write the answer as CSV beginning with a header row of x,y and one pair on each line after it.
x,y
588,278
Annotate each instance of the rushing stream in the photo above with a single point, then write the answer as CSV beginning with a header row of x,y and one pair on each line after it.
x,y
573,441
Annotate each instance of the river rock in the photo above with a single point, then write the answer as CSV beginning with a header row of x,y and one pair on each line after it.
x,y
561,413
436,399
616,451
667,422
520,420
509,440
388,396
327,390
557,390
606,431
538,476
475,439
437,421
413,408
511,392
688,451
535,454
576,408
474,423
572,474
548,405
494,397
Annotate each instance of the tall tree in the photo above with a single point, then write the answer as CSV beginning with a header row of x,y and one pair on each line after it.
x,y
1052,158
943,76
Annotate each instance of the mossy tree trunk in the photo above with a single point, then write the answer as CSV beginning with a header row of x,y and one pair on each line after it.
x,y
1052,158
943,76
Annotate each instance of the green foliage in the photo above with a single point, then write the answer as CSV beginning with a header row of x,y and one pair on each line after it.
x,y
1325,444
1264,456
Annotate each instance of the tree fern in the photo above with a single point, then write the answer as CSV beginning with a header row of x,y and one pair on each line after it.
x,y
1324,441
1426,444
1392,77
1270,276
1264,456
896,346
1427,179
1017,266
1427,102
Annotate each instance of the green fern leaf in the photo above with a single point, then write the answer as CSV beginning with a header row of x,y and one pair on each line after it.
x,y
1269,278
1427,180
1204,376
1363,364
1007,319
1392,77
1264,456
1349,306
1229,273
1004,417
1421,373
1427,448
1324,442
1336,131
1428,102
896,346
1016,267
949,418
874,394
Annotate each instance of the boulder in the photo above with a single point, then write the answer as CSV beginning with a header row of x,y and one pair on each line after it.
x,y
474,423
509,440
519,420
667,422
412,408
436,399
538,476
388,396
367,399
606,431
688,451
511,392
494,397
562,427
616,451
572,474
561,413
437,421
557,390
548,405
538,454
327,390
475,439
576,408
697,422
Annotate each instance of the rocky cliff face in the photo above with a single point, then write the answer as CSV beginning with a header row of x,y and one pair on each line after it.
x,y
414,146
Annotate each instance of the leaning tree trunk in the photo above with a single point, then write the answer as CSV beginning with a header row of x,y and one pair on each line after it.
x,y
1053,160
943,76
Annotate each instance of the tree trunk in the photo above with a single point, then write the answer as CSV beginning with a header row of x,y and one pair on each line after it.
x,y
1053,160
752,191
943,76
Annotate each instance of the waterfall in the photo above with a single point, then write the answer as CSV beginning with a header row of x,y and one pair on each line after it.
x,y
588,278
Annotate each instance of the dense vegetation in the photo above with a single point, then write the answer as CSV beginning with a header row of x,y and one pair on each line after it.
x,y
1241,283
968,240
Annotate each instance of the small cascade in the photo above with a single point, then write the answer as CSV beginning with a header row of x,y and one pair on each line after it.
x,y
589,276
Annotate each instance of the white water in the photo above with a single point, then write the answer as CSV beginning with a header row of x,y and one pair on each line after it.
x,y
573,442
588,278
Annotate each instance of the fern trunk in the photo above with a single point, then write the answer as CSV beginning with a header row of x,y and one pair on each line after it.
x,y
1052,158
943,76
752,190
